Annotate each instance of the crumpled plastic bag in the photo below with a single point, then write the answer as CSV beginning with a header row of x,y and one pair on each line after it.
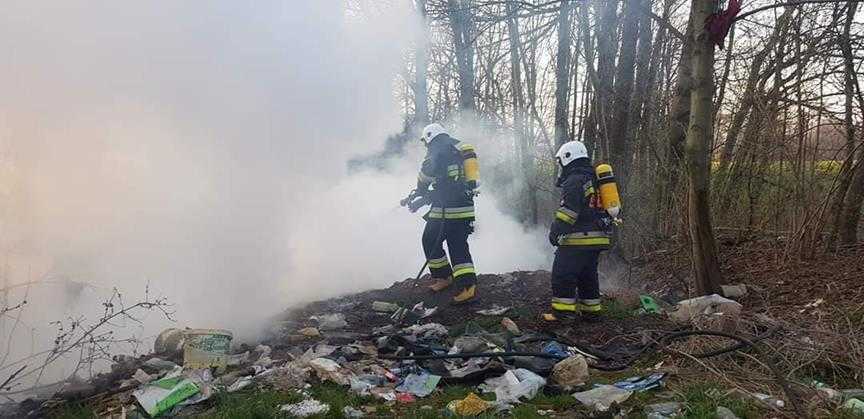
x,y
706,305
513,386
602,397
328,369
420,385
427,331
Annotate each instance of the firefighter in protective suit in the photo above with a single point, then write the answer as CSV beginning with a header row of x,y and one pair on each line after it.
x,y
579,233
451,217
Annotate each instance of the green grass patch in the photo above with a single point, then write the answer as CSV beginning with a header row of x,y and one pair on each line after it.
x,y
616,310
702,400
252,404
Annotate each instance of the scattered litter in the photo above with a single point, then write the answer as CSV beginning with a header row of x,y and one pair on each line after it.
x,y
160,396
290,376
852,393
471,405
769,400
240,384
364,384
648,304
712,304
383,330
416,313
602,397
385,307
169,343
305,408
827,392
468,344
420,385
235,360
159,365
494,311
383,393
142,377
309,332
535,364
555,348
328,369
352,413
855,405
427,331
663,410
206,348
723,412
642,383
734,291
571,372
422,311
405,398
514,385
510,326
333,321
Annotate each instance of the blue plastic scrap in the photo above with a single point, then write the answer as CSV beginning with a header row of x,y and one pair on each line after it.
x,y
642,383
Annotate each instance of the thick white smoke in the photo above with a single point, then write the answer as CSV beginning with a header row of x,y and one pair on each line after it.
x,y
200,148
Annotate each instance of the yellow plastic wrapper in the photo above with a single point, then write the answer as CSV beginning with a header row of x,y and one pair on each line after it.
x,y
471,405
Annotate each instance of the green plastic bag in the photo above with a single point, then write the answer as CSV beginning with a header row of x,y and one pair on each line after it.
x,y
648,304
162,395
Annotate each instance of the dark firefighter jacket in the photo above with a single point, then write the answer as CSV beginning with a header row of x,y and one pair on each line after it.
x,y
578,223
443,170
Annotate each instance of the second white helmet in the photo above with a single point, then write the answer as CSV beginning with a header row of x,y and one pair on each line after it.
x,y
431,131
571,151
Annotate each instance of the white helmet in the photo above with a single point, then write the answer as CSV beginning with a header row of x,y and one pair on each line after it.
x,y
571,151
431,131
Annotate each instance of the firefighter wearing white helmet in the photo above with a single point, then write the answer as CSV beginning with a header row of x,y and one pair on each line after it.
x,y
578,236
448,177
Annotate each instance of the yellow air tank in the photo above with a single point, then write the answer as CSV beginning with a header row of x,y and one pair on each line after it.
x,y
470,164
609,198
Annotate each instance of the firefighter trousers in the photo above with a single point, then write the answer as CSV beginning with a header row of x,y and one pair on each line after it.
x,y
575,269
455,233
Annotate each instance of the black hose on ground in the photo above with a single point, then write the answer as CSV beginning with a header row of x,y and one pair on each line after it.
x,y
662,342
470,355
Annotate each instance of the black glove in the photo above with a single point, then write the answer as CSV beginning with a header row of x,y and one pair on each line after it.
x,y
553,235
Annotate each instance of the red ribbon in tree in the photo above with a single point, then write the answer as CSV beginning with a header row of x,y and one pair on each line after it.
x,y
719,23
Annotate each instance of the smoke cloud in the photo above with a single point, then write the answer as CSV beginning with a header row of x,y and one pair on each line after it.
x,y
199,149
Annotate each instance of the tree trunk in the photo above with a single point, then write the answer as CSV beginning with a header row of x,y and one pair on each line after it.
x,y
607,30
706,266
525,153
461,23
679,113
644,75
850,214
421,70
619,141
589,126
562,74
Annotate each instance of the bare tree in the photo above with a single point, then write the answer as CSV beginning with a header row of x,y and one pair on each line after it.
x,y
562,73
703,248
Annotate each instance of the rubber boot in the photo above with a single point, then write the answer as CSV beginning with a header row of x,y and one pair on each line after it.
x,y
589,315
559,316
441,284
465,296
